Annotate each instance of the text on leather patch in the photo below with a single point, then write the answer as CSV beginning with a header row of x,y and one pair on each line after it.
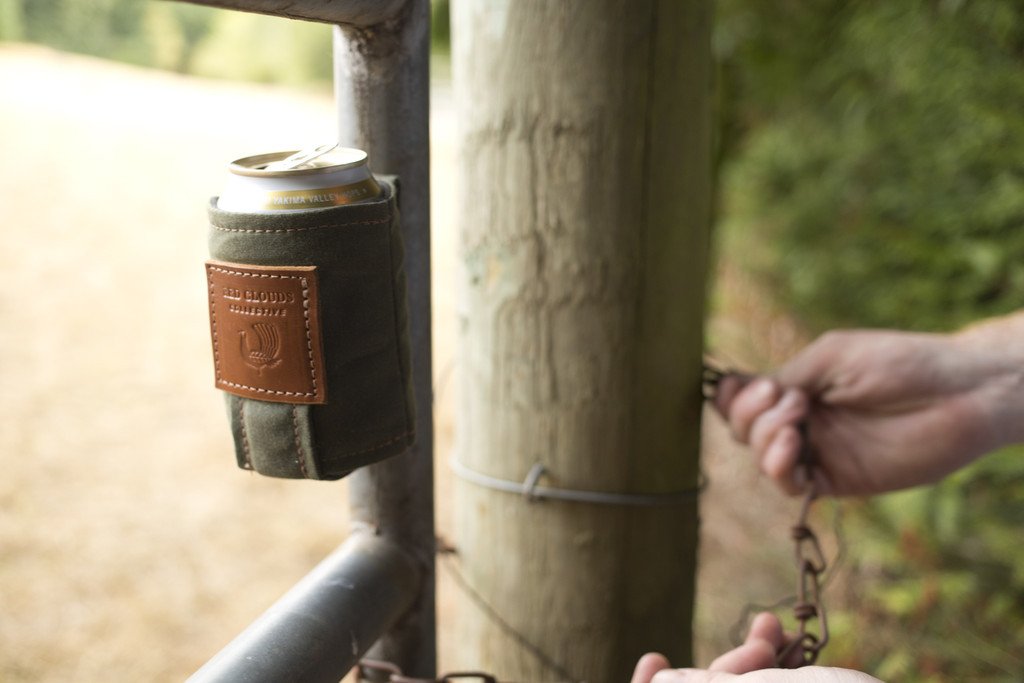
x,y
265,325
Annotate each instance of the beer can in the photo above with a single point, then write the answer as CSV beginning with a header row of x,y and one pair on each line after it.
x,y
324,176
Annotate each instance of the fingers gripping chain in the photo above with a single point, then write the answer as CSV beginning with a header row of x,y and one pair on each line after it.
x,y
711,377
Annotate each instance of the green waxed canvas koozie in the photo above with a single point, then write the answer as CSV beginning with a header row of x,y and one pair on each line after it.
x,y
355,255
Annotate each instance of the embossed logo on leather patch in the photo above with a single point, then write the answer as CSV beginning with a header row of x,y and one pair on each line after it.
x,y
266,332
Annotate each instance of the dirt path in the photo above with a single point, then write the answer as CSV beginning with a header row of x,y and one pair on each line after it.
x,y
130,546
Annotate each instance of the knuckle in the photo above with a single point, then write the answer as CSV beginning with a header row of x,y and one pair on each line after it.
x,y
831,341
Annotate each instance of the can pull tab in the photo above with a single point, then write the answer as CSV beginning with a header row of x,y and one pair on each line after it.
x,y
300,158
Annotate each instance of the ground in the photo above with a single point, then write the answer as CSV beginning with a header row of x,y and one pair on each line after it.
x,y
131,548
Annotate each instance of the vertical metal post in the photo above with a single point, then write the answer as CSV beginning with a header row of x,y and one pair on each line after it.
x,y
381,77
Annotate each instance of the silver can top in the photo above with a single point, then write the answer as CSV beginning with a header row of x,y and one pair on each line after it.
x,y
323,159
320,177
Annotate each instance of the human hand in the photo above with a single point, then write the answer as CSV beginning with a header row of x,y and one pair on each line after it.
x,y
748,663
884,410
809,674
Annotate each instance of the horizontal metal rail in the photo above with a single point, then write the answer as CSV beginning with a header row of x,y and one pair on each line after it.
x,y
321,627
360,13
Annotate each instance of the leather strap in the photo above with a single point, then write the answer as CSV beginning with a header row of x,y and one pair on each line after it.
x,y
265,327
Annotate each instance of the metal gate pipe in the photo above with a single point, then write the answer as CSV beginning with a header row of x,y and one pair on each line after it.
x,y
321,627
381,81
354,12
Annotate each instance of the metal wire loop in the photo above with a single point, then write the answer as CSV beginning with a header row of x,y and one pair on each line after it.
x,y
395,675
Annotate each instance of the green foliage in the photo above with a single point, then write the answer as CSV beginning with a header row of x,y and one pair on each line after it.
x,y
440,26
941,583
12,24
107,28
874,156
252,47
174,31
177,36
188,38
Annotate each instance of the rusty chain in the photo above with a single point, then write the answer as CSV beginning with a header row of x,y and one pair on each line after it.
x,y
394,674
811,565
806,645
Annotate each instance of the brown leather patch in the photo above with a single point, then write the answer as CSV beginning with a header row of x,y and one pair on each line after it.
x,y
265,324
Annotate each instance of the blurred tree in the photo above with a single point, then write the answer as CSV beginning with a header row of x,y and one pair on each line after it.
x,y
252,47
873,156
11,20
193,24
440,26
109,28
188,38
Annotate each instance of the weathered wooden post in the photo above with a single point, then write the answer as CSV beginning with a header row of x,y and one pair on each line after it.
x,y
584,234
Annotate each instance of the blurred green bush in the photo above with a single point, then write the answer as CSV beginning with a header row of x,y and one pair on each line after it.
x,y
938,590
177,36
98,27
188,38
874,156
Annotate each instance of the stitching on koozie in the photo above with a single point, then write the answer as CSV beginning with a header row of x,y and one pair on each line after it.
x,y
394,316
309,332
235,385
298,444
245,437
382,444
259,275
213,326
303,229
305,314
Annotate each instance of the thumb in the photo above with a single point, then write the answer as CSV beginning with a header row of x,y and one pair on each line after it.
x,y
692,676
650,664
